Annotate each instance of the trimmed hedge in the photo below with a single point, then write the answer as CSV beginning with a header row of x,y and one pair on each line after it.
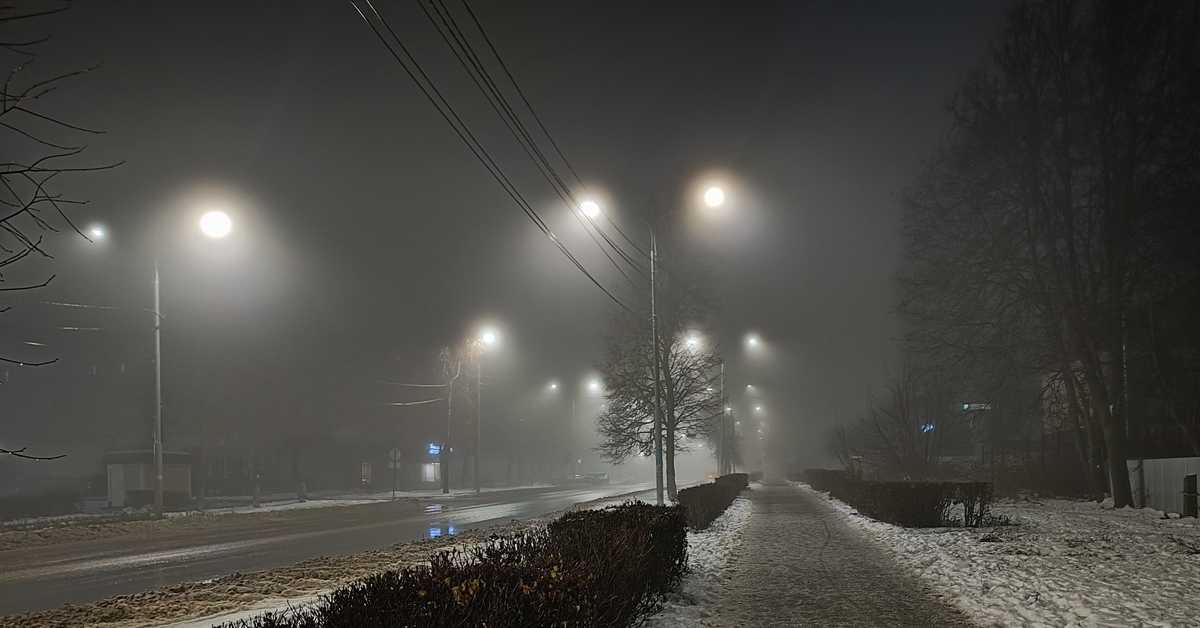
x,y
916,504
706,502
822,479
605,568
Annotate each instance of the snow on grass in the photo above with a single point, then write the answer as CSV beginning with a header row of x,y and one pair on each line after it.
x,y
1063,563
708,553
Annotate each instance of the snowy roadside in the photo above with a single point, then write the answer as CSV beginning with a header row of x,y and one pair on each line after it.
x,y
708,554
202,604
29,533
1063,563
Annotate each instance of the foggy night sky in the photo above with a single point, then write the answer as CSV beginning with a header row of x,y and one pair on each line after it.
x,y
359,215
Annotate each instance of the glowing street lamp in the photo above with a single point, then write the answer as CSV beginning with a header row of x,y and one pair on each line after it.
x,y
488,338
714,196
214,224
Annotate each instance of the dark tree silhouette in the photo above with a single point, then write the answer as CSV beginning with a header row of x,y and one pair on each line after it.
x,y
690,364
1053,212
36,150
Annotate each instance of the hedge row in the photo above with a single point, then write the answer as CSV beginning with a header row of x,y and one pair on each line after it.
x,y
706,502
821,479
599,568
916,504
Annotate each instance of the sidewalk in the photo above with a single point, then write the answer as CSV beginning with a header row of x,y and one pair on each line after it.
x,y
800,564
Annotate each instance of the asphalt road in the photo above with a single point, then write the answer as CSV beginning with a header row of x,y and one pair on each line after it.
x,y
42,578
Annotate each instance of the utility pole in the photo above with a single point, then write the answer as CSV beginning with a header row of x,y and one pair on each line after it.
x,y
478,417
721,455
658,444
158,440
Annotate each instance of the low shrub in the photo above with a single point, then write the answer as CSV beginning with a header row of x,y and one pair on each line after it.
x,y
916,504
706,502
755,476
606,568
740,480
822,479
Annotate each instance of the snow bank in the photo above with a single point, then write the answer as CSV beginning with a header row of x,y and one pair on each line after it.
x,y
708,553
1063,563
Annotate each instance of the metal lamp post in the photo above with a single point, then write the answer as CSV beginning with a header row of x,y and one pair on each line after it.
x,y
214,224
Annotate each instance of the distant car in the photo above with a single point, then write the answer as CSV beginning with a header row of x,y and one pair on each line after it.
x,y
595,478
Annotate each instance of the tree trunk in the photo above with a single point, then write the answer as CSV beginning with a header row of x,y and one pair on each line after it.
x,y
301,489
444,452
202,481
669,460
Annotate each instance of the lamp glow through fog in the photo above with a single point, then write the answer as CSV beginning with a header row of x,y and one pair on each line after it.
x,y
488,337
714,196
590,209
216,224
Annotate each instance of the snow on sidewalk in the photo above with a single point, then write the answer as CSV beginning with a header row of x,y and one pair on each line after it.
x,y
800,564
1065,563
708,553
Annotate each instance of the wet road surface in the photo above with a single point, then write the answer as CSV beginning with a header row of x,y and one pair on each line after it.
x,y
41,578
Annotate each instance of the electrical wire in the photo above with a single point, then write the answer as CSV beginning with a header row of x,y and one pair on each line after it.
x,y
376,381
545,131
411,403
495,96
429,89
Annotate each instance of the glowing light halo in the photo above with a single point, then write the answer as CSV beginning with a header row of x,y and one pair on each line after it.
x,y
714,196
216,224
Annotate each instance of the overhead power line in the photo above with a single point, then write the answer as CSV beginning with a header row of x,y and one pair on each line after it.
x,y
376,381
411,403
460,45
413,69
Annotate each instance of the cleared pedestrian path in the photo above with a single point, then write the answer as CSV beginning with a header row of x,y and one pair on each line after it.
x,y
800,564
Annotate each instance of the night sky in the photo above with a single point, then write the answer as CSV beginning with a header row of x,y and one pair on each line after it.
x,y
366,232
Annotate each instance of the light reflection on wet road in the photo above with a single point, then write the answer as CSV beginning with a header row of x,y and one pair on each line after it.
x,y
45,577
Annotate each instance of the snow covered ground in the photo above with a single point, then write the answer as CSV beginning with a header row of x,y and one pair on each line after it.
x,y
1064,563
708,553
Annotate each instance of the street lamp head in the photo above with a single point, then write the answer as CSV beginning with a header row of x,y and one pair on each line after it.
x,y
215,224
714,197
589,209
594,385
97,232
758,408
553,385
488,337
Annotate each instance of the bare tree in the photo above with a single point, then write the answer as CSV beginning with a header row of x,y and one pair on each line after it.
x,y
1039,227
689,363
37,149
454,362
907,428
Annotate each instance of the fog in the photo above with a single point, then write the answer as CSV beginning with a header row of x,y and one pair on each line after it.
x,y
366,236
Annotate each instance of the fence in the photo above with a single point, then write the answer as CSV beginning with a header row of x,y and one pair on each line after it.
x,y
1158,483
